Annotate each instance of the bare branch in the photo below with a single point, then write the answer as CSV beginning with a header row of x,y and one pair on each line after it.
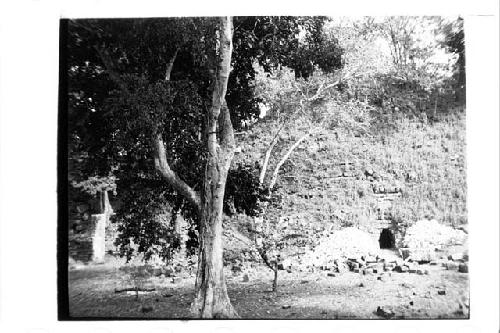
x,y
317,92
265,258
322,87
320,90
266,160
265,163
170,65
285,158
171,177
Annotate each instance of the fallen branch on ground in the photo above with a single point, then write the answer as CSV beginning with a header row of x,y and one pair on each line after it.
x,y
121,290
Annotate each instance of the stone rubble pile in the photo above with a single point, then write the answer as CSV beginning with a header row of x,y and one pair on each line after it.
x,y
422,239
341,245
353,250
368,265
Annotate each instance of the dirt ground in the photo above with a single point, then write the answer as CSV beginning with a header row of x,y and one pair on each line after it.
x,y
439,294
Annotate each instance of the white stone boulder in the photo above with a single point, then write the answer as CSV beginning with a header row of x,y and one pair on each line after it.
x,y
422,239
342,244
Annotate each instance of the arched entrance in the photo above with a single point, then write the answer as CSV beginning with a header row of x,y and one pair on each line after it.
x,y
386,239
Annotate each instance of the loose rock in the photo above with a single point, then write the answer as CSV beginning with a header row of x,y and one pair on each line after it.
x,y
168,272
456,256
401,269
451,266
385,313
342,268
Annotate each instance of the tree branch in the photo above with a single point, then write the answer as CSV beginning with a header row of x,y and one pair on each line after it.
x,y
170,65
265,163
171,177
265,258
322,87
285,157
316,95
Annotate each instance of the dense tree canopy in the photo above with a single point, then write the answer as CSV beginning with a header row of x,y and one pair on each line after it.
x,y
119,96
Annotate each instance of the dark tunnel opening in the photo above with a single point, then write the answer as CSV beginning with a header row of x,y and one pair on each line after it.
x,y
386,239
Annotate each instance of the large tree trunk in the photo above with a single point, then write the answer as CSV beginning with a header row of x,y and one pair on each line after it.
x,y
212,300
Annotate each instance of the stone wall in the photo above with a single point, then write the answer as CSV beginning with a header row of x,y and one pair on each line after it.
x,y
88,239
98,237
89,243
318,197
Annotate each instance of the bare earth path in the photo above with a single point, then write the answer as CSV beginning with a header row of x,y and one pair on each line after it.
x,y
440,294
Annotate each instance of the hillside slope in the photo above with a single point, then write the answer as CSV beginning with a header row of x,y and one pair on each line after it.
x,y
405,169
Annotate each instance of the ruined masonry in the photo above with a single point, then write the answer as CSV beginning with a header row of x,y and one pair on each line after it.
x,y
88,232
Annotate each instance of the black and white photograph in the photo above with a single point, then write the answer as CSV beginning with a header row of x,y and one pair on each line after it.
x,y
224,167
267,167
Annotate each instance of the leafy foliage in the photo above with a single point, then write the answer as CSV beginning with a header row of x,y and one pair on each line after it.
x,y
454,42
400,63
119,100
94,185
273,42
243,191
146,226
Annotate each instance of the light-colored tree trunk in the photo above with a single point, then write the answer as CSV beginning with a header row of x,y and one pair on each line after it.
x,y
269,150
212,300
285,157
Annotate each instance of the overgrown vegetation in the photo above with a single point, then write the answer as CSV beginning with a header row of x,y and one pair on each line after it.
x,y
338,123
